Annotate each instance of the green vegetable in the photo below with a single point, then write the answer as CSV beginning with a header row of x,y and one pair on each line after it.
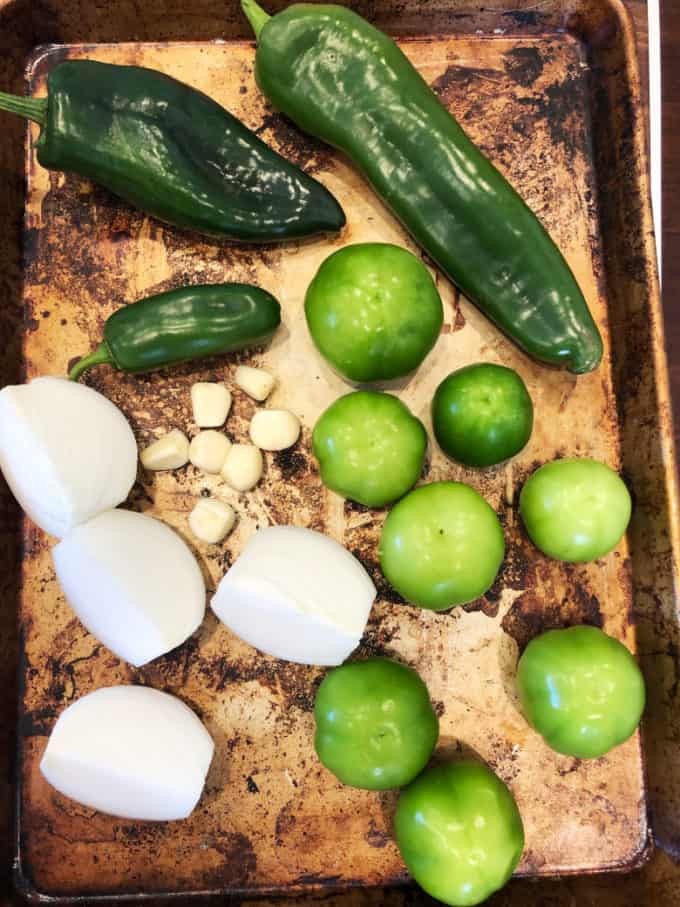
x,y
482,414
172,152
184,324
459,832
373,311
370,447
375,725
581,690
441,545
575,510
344,81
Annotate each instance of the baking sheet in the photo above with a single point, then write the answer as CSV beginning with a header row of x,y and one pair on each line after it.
x,y
272,818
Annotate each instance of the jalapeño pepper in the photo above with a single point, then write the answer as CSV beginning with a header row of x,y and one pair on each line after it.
x,y
347,83
184,324
173,152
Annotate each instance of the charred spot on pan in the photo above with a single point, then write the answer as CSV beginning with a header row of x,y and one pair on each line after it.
x,y
531,615
524,65
376,640
488,604
37,723
285,822
522,18
560,107
455,77
239,864
302,149
376,837
385,592
291,462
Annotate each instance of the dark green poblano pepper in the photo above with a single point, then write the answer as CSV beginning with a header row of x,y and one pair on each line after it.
x,y
172,152
347,83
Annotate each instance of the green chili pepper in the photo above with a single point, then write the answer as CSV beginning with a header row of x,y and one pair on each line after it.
x,y
347,83
184,324
172,152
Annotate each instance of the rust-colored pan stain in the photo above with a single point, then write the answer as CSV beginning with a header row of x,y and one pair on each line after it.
x,y
554,109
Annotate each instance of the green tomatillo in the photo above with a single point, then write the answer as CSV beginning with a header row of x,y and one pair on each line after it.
x,y
370,447
373,311
575,509
459,832
581,690
441,545
375,725
482,414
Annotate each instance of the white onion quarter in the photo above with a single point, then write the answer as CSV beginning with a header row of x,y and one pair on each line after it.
x,y
133,582
129,751
297,595
66,452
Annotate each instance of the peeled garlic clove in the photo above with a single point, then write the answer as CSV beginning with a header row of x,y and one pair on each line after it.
x,y
129,751
210,520
208,451
171,451
274,429
255,382
133,582
297,595
210,403
243,467
66,452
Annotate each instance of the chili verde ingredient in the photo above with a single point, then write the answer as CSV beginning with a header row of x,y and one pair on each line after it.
x,y
441,545
208,451
171,451
482,414
129,751
274,429
173,152
347,83
211,521
66,452
373,311
184,324
459,832
375,725
581,690
243,467
297,595
575,509
370,447
256,382
132,582
210,404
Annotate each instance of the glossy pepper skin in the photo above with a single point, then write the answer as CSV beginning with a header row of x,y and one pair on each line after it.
x,y
184,324
459,832
173,152
375,725
345,82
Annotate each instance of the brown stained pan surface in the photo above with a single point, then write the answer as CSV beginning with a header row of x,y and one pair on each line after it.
x,y
271,817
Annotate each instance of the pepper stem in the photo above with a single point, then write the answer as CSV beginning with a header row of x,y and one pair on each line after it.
x,y
96,357
32,108
255,15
